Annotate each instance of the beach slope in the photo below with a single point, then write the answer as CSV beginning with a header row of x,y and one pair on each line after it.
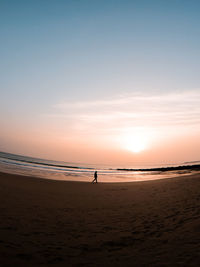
x,y
46,222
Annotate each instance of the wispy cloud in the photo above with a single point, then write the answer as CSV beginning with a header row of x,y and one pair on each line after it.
x,y
137,100
133,110
172,112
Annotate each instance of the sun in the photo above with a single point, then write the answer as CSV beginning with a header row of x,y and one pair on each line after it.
x,y
136,141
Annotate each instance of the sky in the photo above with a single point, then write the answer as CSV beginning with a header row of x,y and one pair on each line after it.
x,y
94,81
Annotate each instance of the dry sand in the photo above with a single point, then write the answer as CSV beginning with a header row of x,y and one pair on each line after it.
x,y
45,222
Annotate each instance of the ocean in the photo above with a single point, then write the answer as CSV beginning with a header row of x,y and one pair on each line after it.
x,y
67,171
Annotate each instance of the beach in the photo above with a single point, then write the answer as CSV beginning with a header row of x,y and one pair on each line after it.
x,y
60,223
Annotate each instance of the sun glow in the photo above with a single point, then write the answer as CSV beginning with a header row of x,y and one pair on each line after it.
x,y
136,141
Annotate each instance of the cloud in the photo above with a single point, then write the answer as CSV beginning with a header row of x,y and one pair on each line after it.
x,y
186,97
174,109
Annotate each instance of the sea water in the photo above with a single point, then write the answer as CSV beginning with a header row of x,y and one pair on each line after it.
x,y
68,171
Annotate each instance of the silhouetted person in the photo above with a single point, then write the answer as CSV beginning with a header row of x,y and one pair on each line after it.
x,y
95,177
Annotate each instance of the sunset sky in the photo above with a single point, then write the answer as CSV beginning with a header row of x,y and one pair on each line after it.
x,y
114,82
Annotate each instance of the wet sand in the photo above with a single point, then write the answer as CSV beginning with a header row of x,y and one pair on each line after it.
x,y
46,222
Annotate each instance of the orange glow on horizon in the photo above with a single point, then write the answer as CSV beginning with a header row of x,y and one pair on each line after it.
x,y
137,140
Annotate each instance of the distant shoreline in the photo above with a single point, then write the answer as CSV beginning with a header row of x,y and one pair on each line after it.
x,y
164,169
